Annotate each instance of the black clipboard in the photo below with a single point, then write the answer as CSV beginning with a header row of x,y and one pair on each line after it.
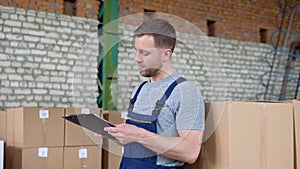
x,y
91,122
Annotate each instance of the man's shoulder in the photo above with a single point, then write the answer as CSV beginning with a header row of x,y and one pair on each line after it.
x,y
188,85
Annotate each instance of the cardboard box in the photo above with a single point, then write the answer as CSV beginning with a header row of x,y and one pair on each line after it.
x,y
35,158
249,135
35,127
3,125
76,135
87,157
112,152
296,105
1,154
111,158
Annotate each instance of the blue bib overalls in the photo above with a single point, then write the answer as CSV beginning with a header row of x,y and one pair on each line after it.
x,y
136,156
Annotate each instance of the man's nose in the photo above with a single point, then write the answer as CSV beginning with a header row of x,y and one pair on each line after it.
x,y
138,57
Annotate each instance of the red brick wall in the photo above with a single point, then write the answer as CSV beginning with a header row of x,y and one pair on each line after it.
x,y
238,19
83,8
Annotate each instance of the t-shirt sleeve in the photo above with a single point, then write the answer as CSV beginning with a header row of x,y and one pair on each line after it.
x,y
190,114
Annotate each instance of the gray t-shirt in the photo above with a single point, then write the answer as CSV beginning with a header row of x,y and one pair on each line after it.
x,y
184,109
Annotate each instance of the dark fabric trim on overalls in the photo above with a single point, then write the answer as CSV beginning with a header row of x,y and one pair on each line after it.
x,y
136,156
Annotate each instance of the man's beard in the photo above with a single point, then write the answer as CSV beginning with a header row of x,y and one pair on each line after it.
x,y
149,72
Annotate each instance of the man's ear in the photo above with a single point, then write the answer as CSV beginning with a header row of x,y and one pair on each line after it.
x,y
167,54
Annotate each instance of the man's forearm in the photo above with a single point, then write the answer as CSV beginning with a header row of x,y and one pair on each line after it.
x,y
185,148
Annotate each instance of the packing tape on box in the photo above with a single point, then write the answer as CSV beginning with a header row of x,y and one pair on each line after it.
x,y
43,153
83,155
44,116
84,137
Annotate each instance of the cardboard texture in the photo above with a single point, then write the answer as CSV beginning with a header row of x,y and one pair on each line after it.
x,y
35,158
1,154
76,135
110,159
296,105
250,135
83,157
3,125
35,127
112,152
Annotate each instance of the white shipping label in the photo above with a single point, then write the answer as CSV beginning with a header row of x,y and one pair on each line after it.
x,y
124,115
44,114
43,152
85,111
82,153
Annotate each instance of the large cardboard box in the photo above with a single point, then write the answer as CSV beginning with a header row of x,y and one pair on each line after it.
x,y
3,125
1,154
296,105
87,157
35,127
112,152
76,135
35,158
247,135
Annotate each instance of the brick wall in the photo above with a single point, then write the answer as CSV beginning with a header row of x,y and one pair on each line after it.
x,y
223,69
240,20
83,8
47,59
50,59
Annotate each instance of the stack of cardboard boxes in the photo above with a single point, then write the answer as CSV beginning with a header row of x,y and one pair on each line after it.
x,y
41,138
82,149
34,138
238,135
251,135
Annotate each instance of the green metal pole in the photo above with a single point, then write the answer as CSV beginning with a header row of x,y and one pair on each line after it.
x,y
110,51
100,57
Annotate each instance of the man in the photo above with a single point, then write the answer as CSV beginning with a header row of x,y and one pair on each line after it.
x,y
165,122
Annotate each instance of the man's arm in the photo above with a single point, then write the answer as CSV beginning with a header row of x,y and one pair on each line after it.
x,y
184,148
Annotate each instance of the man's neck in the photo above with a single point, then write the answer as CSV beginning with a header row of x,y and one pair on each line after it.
x,y
161,75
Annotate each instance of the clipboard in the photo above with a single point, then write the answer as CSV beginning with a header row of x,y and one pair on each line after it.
x,y
91,122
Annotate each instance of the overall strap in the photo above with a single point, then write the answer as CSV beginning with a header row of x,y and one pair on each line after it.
x,y
160,103
132,100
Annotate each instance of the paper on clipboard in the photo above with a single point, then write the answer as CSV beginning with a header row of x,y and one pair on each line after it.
x,y
91,122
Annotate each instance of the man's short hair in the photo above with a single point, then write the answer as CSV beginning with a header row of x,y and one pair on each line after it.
x,y
162,31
